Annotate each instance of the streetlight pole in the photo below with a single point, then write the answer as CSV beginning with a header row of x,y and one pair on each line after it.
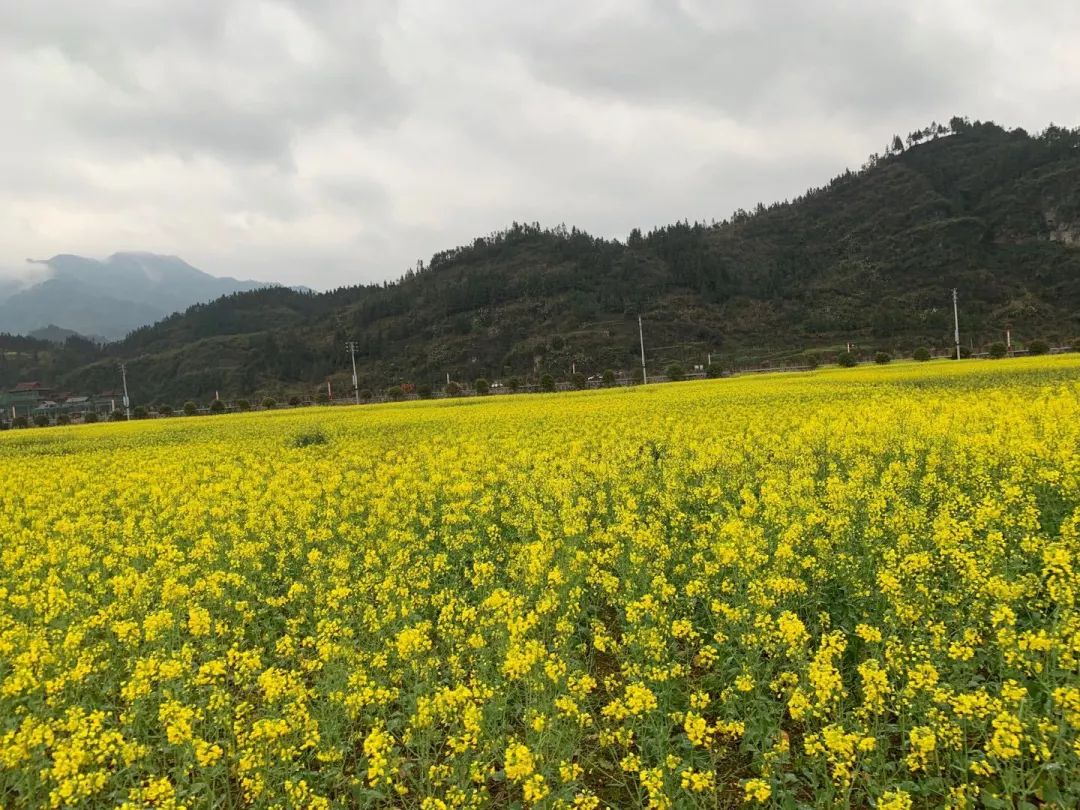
x,y
127,400
351,346
641,337
956,323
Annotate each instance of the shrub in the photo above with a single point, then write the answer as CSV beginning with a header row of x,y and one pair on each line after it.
x,y
309,438
547,383
20,422
322,398
4,425
166,410
117,416
514,384
847,360
90,418
424,391
63,419
190,408
139,412
294,400
395,392
453,389
997,350
1038,347
269,403
809,360
881,358
41,420
243,405
675,372
921,354
577,379
366,395
217,406
609,377
481,386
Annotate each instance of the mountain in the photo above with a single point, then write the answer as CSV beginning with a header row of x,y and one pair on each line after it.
x,y
870,258
57,334
112,297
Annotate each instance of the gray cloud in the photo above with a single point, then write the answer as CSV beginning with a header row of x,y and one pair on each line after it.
x,y
335,141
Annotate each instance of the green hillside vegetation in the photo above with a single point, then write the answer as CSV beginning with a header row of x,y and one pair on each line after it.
x,y
869,259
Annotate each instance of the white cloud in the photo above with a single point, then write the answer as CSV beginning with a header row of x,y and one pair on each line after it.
x,y
328,142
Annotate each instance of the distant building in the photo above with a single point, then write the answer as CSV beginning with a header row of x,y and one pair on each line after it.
x,y
25,397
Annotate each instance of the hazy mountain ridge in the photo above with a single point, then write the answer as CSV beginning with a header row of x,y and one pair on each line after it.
x,y
110,297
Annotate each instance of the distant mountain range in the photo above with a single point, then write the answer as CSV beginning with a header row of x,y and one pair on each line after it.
x,y
868,259
110,298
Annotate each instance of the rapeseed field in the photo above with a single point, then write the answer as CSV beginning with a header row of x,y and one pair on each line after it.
x,y
842,588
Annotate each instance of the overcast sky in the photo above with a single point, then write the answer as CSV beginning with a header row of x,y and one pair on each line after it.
x,y
327,142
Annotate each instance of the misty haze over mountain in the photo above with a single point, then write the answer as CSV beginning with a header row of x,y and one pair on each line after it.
x,y
106,298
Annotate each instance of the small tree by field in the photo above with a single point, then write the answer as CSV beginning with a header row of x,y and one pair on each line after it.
x,y
997,350
847,360
217,406
675,372
425,391
921,354
294,400
453,389
41,420
269,403
90,418
322,398
809,360
514,384
63,419
577,379
881,358
395,392
243,405
190,408
1038,347
20,422
366,395
481,386
139,412
165,410
117,416
609,377
547,383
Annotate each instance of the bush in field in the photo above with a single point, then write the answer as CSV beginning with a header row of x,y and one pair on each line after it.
x,y
609,377
243,405
675,372
322,398
139,412
90,418
395,392
481,386
217,406
453,389
1038,347
514,384
547,383
425,391
997,350
294,400
921,354
577,379
190,408
366,395
269,403
165,410
847,360
882,358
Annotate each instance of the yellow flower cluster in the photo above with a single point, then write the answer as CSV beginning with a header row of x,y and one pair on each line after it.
x,y
841,588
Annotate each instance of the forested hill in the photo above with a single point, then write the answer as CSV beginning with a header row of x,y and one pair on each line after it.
x,y
870,258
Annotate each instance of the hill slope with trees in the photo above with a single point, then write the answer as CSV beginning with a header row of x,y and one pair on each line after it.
x,y
869,259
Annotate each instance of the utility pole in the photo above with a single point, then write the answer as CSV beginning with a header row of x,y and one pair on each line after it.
x,y
956,323
351,346
641,337
127,400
